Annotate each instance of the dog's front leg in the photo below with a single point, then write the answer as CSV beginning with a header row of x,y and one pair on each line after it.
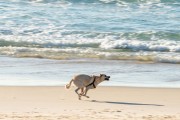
x,y
82,91
86,90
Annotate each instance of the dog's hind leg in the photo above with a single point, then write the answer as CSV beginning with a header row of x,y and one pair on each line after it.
x,y
78,93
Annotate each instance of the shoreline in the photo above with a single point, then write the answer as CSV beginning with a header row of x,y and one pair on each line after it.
x,y
41,86
45,72
55,102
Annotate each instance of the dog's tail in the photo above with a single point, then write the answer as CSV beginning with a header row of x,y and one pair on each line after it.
x,y
69,85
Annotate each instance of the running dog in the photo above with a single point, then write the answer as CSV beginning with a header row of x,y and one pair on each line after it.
x,y
86,82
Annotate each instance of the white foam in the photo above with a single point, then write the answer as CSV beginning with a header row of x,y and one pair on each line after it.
x,y
78,53
142,45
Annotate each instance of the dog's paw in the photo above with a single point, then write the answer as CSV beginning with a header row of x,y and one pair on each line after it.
x,y
79,97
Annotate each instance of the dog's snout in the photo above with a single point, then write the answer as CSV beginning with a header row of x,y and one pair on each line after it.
x,y
107,77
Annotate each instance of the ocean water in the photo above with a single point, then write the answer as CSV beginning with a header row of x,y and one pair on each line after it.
x,y
121,33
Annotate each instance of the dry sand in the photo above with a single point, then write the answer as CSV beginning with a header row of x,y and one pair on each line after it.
x,y
105,103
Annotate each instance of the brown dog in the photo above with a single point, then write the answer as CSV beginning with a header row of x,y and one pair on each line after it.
x,y
86,82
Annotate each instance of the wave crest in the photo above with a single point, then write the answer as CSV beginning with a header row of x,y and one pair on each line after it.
x,y
101,44
90,53
135,45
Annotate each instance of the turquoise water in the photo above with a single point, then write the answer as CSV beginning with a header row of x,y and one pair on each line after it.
x,y
141,30
46,42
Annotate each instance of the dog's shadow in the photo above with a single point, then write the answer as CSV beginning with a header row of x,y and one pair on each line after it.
x,y
123,103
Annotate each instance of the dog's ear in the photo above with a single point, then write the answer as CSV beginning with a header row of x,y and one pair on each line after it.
x,y
101,75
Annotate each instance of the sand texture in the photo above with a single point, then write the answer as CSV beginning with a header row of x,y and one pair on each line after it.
x,y
105,103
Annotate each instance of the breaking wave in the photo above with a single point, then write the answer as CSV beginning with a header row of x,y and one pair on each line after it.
x,y
162,51
141,30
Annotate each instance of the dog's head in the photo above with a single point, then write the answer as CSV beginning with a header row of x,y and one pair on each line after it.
x,y
104,77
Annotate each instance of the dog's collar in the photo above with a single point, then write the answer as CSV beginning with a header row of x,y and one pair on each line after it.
x,y
92,83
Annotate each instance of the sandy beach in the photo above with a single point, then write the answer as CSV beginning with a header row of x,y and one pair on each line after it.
x,y
45,43
105,103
